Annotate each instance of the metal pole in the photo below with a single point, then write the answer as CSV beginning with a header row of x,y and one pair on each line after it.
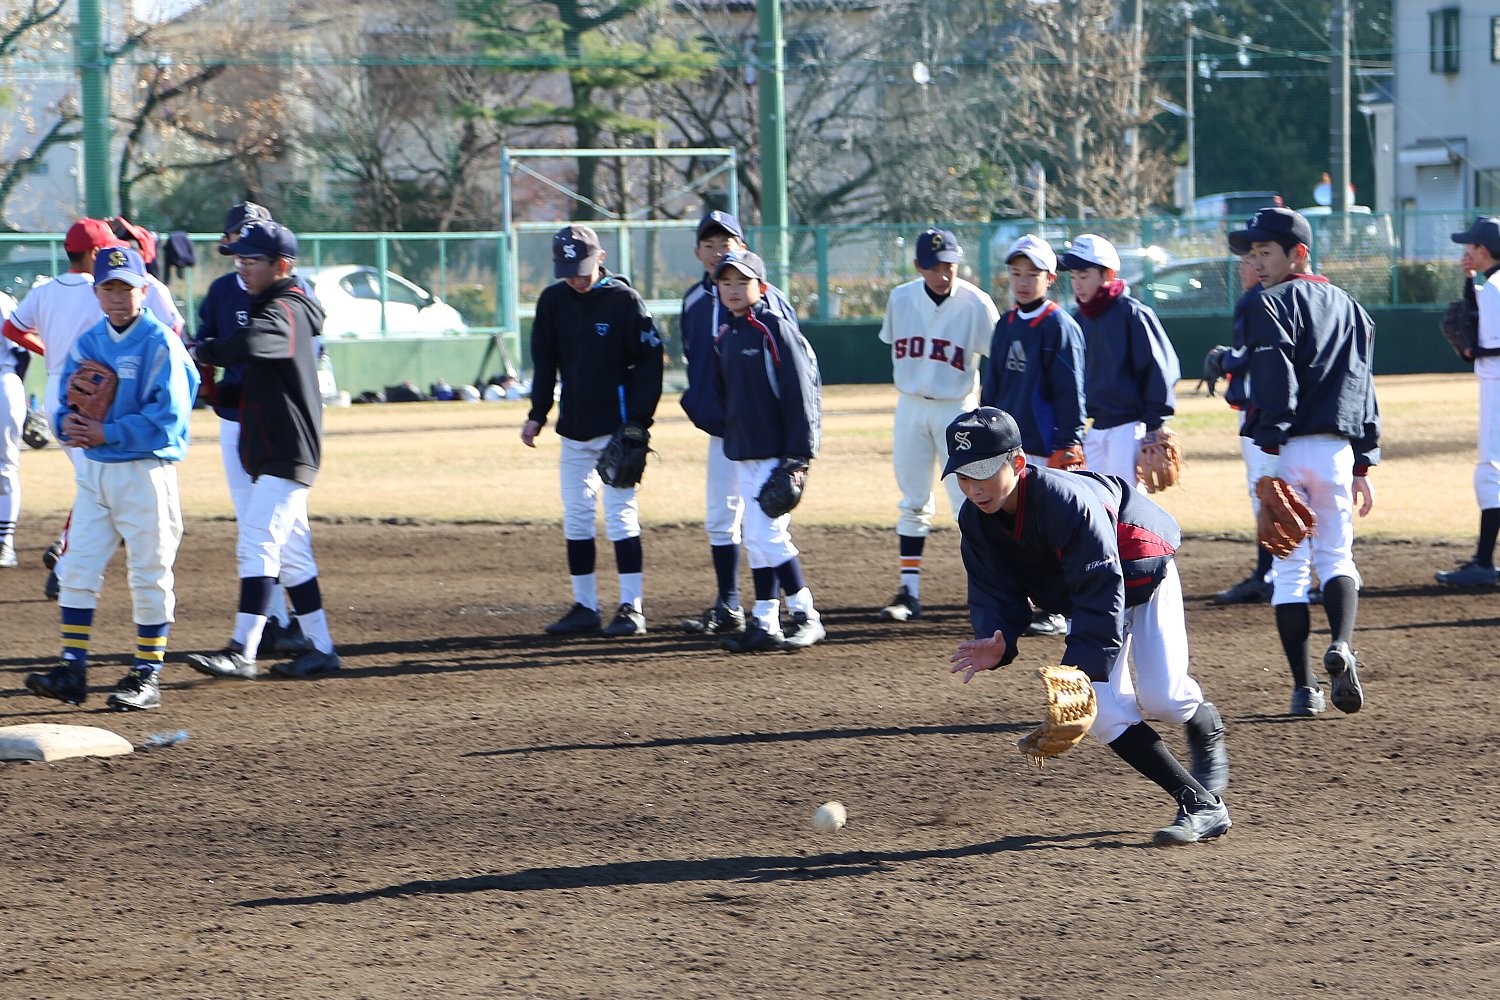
x,y
1338,95
1190,189
769,79
93,83
510,306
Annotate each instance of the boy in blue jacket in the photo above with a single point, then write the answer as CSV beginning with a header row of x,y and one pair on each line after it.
x,y
127,488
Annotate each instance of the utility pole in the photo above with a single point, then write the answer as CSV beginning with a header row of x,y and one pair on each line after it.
x,y
1133,134
769,79
93,81
1190,189
1338,96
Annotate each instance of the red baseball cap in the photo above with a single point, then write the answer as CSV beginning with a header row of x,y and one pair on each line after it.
x,y
90,234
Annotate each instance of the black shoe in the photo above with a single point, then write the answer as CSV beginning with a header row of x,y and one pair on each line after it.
x,y
1196,820
1470,574
313,663
579,620
754,639
288,640
137,691
52,587
51,554
227,662
806,630
717,620
66,682
903,607
1205,739
627,621
1047,623
1343,676
1251,590
1308,702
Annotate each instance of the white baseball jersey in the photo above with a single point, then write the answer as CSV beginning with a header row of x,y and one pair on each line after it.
x,y
159,301
59,312
936,349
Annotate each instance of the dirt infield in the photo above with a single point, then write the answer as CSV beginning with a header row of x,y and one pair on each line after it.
x,y
471,809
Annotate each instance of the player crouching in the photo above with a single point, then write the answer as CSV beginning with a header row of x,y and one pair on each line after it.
x,y
1092,548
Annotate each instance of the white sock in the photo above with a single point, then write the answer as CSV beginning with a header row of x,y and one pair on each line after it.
x,y
276,606
586,590
911,579
802,601
315,627
247,630
630,589
768,614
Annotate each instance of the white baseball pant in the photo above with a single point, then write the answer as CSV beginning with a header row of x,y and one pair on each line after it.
x,y
724,504
918,445
581,488
136,502
1113,451
1487,469
768,541
1320,467
52,402
12,419
275,538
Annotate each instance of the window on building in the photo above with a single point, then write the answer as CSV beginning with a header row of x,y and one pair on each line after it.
x,y
1487,189
1445,42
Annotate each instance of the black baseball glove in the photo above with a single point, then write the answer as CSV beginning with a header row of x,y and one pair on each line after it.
x,y
783,489
1213,366
1460,327
622,463
35,431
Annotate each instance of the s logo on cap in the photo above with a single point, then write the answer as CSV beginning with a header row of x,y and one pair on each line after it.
x,y
570,251
937,242
116,259
961,441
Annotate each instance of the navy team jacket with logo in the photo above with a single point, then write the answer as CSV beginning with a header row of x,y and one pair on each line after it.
x,y
769,384
1034,372
699,322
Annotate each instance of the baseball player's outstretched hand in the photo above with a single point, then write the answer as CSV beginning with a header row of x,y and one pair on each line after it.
x,y
977,655
1364,495
529,430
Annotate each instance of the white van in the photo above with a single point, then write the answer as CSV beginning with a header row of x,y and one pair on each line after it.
x,y
1231,208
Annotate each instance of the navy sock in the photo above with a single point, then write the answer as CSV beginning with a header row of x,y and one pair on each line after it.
x,y
727,573
1262,561
1341,602
628,556
1141,747
765,583
1489,528
790,575
1293,625
305,597
255,594
580,557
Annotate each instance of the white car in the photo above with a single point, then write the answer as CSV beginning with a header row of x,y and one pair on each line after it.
x,y
350,295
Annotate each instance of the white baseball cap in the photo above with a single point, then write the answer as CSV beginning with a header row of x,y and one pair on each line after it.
x,y
1089,250
1036,250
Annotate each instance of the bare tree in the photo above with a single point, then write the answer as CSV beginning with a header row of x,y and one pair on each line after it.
x,y
26,29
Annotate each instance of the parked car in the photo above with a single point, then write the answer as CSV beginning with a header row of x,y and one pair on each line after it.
x,y
21,275
1200,284
1367,232
350,294
1231,208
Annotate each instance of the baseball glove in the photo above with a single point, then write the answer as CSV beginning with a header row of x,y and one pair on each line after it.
x,y
1284,519
1069,458
91,389
208,384
622,463
1460,327
1213,366
783,489
1159,462
1071,710
35,431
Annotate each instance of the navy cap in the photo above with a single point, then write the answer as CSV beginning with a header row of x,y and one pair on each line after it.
x,y
262,238
120,264
245,211
978,442
938,246
575,252
747,263
1271,225
717,220
1485,232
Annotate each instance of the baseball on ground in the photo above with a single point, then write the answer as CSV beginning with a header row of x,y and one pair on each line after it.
x,y
829,817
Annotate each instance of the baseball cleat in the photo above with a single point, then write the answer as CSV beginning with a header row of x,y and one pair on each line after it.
x,y
66,682
228,662
51,554
627,621
1343,677
1251,590
754,639
717,620
288,640
1046,623
806,630
1196,820
1308,701
904,607
1210,758
313,663
1470,574
580,620
137,691
7,555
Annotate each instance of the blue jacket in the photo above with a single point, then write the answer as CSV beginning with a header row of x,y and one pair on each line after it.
x,y
699,325
1130,366
154,397
1034,372
768,380
1311,357
1080,544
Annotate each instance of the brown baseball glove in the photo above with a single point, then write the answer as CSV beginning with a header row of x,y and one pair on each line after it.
x,y
1284,518
1071,710
91,389
1159,462
1069,458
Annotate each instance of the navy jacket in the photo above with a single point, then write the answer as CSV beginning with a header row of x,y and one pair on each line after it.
x,y
1130,366
1080,544
768,380
224,309
1311,348
699,324
1034,372
603,344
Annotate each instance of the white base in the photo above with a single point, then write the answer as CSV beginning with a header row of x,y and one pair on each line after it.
x,y
46,741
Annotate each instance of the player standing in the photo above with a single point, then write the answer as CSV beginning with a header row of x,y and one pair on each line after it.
x,y
1130,367
938,327
593,330
1098,550
1317,426
127,484
281,448
1481,255
14,360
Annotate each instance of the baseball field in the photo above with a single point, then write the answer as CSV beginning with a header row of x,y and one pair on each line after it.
x,y
473,809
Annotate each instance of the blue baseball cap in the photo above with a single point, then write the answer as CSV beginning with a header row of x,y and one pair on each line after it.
x,y
1271,225
120,264
575,252
749,264
935,246
1484,232
722,221
978,442
262,238
245,211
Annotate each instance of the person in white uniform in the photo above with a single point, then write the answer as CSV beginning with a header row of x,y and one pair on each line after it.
x,y
13,362
938,327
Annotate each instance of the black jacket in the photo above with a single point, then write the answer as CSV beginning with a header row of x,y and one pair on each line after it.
x,y
281,409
